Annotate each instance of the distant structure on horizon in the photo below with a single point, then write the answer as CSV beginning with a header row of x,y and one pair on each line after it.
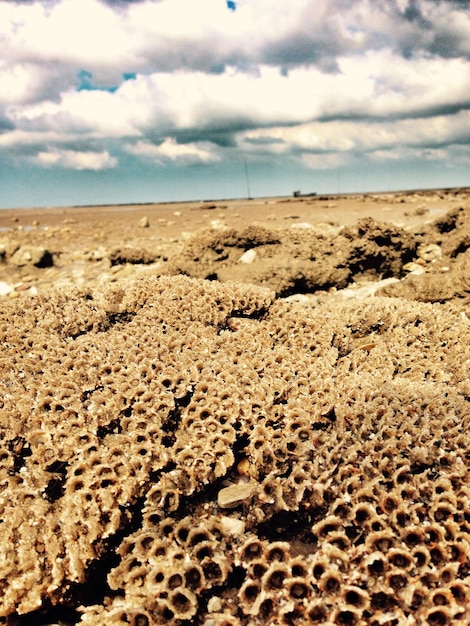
x,y
298,194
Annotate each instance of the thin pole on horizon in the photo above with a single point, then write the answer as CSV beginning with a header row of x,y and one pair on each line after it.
x,y
247,180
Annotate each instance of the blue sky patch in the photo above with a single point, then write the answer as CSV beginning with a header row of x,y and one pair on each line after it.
x,y
85,83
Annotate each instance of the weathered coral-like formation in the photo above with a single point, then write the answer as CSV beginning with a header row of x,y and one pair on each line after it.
x,y
179,451
297,260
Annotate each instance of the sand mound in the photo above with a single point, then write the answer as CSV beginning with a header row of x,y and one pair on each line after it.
x,y
178,451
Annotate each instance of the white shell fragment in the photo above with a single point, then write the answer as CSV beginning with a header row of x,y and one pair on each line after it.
x,y
232,496
232,526
248,257
429,252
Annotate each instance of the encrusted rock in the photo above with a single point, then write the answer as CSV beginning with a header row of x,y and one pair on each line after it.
x,y
32,255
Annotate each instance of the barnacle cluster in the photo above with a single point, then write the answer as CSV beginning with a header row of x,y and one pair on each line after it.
x,y
231,458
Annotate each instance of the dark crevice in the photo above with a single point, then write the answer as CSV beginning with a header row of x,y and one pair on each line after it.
x,y
293,527
324,425
111,319
45,616
239,447
420,468
124,317
20,450
461,248
257,315
227,323
55,488
231,586
84,331
111,428
155,476
86,395
173,420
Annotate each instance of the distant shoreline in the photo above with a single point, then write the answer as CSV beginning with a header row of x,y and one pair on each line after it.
x,y
306,196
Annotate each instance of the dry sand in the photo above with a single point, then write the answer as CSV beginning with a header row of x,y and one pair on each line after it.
x,y
284,443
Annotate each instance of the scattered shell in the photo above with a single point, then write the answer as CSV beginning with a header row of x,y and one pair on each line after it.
x,y
414,268
429,252
144,222
301,226
230,497
5,289
248,257
232,525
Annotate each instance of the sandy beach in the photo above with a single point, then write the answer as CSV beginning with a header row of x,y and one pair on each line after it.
x,y
237,412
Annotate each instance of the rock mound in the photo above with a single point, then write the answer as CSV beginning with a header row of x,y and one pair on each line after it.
x,y
297,260
31,255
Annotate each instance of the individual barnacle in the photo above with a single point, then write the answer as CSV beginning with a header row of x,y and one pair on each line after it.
x,y
251,550
257,569
182,602
376,564
298,589
401,559
317,612
381,541
346,614
250,596
330,581
328,525
438,616
397,578
442,597
275,576
355,596
298,567
389,503
277,551
438,554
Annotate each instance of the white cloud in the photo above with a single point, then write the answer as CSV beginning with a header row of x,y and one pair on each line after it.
x,y
325,161
170,150
317,81
64,32
76,160
321,143
377,84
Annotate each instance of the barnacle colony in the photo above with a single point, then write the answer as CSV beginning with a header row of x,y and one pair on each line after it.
x,y
162,462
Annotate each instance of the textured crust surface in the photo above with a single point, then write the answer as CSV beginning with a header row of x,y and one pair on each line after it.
x,y
129,415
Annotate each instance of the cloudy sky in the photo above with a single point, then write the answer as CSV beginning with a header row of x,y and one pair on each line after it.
x,y
106,101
